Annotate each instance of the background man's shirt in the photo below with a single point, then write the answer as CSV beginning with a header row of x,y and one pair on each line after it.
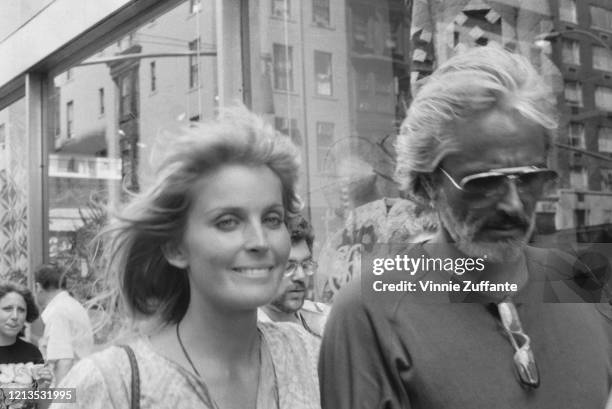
x,y
68,333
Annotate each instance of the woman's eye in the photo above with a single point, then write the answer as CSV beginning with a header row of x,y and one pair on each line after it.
x,y
227,224
273,221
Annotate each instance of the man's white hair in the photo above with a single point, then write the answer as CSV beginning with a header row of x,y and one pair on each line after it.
x,y
477,80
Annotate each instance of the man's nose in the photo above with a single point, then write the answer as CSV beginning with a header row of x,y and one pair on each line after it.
x,y
299,274
256,238
511,202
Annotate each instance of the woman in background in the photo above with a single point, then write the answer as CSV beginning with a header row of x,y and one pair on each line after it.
x,y
198,253
17,306
21,363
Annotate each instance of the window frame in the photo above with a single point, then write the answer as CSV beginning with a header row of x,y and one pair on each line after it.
x,y
601,13
101,105
573,10
317,20
329,61
153,76
69,119
194,64
285,72
283,12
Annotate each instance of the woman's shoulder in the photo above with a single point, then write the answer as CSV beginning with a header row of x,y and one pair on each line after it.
x,y
20,351
114,358
101,378
27,346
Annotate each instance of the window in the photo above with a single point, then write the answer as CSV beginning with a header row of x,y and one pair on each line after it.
x,y
101,101
125,92
194,6
325,139
289,128
194,75
2,136
323,73
578,177
601,18
567,11
602,58
580,217
283,67
571,52
606,179
68,74
56,107
603,98
69,119
573,93
604,139
320,12
281,8
576,135
153,76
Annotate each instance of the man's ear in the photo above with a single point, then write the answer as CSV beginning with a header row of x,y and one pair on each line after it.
x,y
176,255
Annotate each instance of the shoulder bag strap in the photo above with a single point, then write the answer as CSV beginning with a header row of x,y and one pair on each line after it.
x,y
135,403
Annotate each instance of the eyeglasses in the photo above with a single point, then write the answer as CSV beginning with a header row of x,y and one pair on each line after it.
x,y
309,267
524,361
493,183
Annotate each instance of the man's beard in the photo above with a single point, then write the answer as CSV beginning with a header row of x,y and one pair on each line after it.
x,y
282,304
464,232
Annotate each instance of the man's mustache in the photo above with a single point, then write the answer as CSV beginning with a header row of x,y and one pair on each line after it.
x,y
297,286
508,221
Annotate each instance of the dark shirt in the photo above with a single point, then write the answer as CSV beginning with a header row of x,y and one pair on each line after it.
x,y
20,352
394,352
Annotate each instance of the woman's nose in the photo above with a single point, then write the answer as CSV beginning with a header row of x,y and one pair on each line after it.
x,y
256,238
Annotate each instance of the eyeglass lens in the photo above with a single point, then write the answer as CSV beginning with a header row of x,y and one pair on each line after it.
x,y
309,267
528,182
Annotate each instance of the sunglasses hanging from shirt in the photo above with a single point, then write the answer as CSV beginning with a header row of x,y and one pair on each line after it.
x,y
524,360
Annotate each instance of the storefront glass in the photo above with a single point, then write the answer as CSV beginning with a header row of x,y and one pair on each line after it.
x,y
14,182
110,113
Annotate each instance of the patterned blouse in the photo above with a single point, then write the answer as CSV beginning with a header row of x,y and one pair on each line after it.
x,y
288,377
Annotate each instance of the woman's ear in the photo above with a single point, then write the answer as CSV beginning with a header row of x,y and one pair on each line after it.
x,y
176,255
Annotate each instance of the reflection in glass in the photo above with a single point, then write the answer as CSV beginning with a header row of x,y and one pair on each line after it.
x,y
14,182
111,113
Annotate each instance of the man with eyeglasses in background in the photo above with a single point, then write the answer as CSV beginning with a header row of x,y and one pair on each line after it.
x,y
291,304
474,148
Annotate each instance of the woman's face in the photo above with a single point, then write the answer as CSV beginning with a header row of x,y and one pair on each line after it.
x,y
235,244
12,315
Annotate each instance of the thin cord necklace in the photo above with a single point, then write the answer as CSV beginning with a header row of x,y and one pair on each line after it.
x,y
211,400
178,335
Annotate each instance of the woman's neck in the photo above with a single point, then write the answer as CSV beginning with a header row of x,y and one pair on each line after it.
x,y
229,336
6,341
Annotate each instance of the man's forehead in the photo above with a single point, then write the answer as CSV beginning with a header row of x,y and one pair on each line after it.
x,y
497,139
300,251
